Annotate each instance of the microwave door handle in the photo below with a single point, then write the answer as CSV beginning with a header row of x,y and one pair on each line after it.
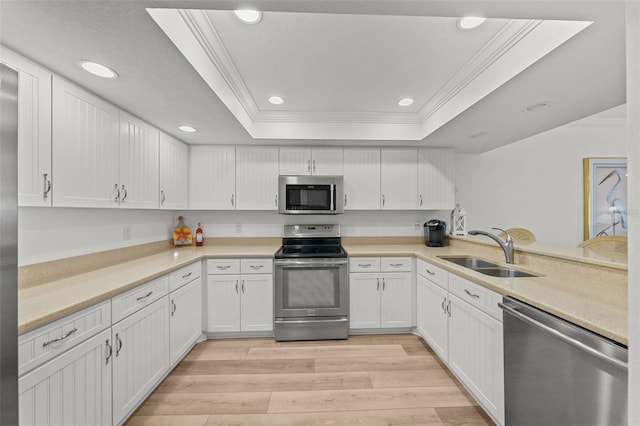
x,y
333,198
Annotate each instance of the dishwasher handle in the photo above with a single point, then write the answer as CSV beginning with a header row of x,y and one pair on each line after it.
x,y
568,340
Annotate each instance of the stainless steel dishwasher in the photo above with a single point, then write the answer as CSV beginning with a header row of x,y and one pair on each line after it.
x,y
556,373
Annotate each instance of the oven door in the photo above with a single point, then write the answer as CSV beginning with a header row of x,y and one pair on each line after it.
x,y
308,288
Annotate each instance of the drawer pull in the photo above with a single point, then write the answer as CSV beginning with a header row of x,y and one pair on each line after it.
x,y
475,296
256,266
364,265
187,276
223,267
396,265
144,297
429,272
61,338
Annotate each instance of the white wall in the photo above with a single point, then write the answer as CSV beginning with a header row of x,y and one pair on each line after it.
x,y
54,233
537,183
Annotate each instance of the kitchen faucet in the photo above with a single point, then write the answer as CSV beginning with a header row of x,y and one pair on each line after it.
x,y
507,245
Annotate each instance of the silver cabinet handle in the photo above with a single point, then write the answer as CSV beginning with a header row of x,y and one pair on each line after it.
x,y
124,197
232,200
420,200
256,267
345,200
47,186
429,272
144,297
117,191
276,200
395,265
378,288
382,200
162,197
444,309
223,267
236,286
119,342
383,284
308,165
173,307
61,338
314,166
364,265
187,275
109,350
242,286
449,308
475,296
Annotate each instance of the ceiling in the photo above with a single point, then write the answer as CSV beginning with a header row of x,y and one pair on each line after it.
x,y
341,66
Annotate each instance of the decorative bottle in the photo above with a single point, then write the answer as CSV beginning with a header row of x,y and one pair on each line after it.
x,y
199,235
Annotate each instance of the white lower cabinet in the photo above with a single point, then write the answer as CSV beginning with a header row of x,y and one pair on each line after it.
x,y
72,389
461,321
140,356
185,321
380,299
239,302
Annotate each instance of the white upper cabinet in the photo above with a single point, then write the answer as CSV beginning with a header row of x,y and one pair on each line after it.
x,y
174,173
139,163
362,178
34,130
256,178
212,177
85,148
311,161
435,179
399,178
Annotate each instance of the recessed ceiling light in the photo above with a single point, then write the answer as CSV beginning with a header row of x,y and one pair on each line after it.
x,y
248,16
98,69
187,129
405,101
276,100
539,106
470,22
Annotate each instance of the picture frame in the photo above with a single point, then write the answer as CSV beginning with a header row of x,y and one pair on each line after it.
x,y
605,196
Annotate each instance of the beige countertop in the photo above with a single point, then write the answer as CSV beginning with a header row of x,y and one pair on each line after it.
x,y
597,306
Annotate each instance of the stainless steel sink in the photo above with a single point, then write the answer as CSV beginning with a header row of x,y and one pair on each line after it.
x,y
504,272
485,267
469,262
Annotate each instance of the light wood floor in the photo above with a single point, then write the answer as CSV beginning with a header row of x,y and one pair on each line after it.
x,y
365,380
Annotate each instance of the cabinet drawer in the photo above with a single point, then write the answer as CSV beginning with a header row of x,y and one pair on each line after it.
x,y
256,266
364,264
133,300
223,266
433,273
476,295
184,275
395,264
44,343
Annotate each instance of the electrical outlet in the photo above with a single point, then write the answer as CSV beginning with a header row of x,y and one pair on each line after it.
x,y
238,228
417,226
126,233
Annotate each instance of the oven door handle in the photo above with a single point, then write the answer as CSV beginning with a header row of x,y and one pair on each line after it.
x,y
305,321
310,262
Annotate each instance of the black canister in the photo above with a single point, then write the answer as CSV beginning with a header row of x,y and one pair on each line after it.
x,y
434,231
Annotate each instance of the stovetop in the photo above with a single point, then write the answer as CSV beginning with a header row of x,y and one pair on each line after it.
x,y
311,241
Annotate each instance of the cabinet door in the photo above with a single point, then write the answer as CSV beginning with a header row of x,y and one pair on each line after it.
x,y
256,178
399,178
256,302
185,323
362,179
85,148
327,161
72,389
139,163
174,173
396,300
364,300
435,179
212,177
475,355
295,161
432,316
140,356
223,303
34,130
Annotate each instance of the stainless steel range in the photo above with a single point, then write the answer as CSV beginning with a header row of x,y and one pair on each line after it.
x,y
311,300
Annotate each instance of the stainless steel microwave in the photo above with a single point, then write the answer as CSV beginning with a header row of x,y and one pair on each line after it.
x,y
310,195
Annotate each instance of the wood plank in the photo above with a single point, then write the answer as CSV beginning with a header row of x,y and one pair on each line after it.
x,y
412,378
368,399
204,353
264,382
324,365
463,416
204,403
326,352
245,367
197,420
412,416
